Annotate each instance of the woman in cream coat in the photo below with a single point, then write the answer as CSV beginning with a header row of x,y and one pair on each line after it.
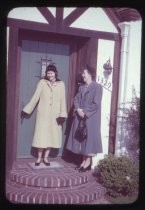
x,y
51,113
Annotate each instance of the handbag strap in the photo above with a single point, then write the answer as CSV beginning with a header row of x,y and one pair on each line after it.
x,y
82,121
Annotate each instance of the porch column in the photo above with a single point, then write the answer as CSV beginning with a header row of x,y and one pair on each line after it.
x,y
125,29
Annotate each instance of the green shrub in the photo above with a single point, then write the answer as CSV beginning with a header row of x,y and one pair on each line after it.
x,y
119,175
130,118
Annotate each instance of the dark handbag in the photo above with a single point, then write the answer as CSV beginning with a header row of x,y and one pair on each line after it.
x,y
81,131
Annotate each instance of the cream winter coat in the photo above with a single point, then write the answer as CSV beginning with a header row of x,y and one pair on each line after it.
x,y
51,104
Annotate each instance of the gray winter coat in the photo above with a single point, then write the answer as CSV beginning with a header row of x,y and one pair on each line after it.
x,y
89,99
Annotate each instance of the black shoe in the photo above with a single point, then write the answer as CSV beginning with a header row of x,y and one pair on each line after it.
x,y
82,169
78,167
37,163
46,163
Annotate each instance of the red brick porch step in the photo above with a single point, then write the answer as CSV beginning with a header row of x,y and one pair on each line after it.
x,y
51,185
48,177
85,193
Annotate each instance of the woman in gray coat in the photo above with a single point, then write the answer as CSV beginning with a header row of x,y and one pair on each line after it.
x,y
87,106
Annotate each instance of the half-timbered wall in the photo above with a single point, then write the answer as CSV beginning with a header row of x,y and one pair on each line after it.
x,y
83,40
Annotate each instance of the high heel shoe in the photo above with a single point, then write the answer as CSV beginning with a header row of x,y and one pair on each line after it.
x,y
78,167
37,163
82,169
46,163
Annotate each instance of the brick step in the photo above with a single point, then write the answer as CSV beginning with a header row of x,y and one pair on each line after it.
x,y
64,175
86,193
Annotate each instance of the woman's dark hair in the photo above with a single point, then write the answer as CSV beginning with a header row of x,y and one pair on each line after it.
x,y
91,71
51,67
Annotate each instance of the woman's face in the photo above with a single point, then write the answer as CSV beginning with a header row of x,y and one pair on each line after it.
x,y
86,75
51,76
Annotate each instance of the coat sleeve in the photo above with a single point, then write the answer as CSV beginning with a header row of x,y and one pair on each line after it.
x,y
96,102
77,99
63,111
34,100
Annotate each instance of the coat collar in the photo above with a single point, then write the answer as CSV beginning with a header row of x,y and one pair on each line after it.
x,y
50,85
90,87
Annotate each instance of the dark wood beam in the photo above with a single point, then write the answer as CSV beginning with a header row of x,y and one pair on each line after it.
x,y
11,97
59,17
111,15
91,33
30,25
47,15
74,15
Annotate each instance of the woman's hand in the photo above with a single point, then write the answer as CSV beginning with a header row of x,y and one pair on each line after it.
x,y
80,113
60,120
24,115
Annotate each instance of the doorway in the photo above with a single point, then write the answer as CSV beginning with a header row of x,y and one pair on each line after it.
x,y
32,54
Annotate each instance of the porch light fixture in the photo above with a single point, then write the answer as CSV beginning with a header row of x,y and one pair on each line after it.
x,y
107,69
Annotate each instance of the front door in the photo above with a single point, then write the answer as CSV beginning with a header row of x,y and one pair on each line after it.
x,y
33,57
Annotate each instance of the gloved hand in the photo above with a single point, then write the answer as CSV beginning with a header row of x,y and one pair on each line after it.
x,y
60,120
24,115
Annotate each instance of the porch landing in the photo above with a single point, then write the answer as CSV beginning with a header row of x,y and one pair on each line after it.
x,y
58,183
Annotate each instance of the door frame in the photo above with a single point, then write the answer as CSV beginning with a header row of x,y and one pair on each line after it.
x,y
25,150
30,30
16,35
